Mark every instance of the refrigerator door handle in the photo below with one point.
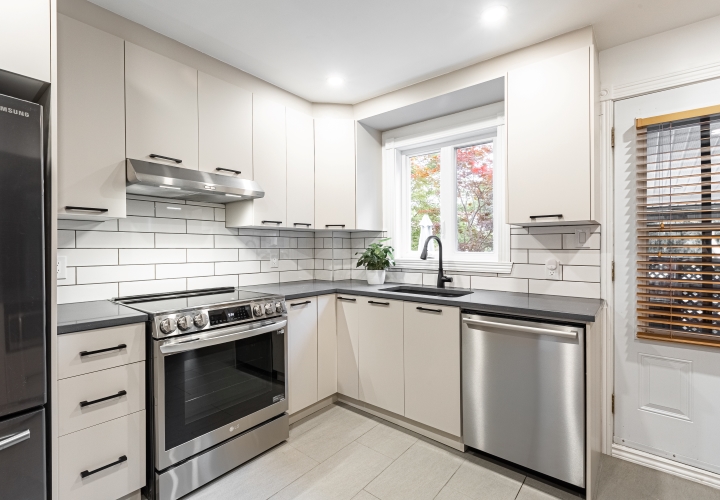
(13, 439)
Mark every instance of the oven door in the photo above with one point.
(212, 386)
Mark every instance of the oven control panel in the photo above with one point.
(230, 315)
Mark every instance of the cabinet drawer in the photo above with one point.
(97, 447)
(89, 388)
(77, 356)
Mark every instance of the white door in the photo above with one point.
(300, 170)
(667, 396)
(302, 334)
(269, 162)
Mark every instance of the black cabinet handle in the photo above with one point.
(88, 353)
(559, 216)
(83, 404)
(153, 155)
(87, 473)
(428, 309)
(302, 224)
(345, 298)
(87, 209)
(301, 303)
(220, 169)
(334, 225)
(278, 222)
(379, 303)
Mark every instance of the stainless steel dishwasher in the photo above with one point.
(523, 387)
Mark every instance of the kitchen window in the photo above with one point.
(450, 183)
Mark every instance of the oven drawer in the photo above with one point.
(95, 398)
(97, 447)
(78, 352)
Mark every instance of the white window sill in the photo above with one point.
(456, 266)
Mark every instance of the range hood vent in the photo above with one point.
(155, 179)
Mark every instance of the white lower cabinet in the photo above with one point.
(119, 443)
(432, 366)
(347, 345)
(327, 346)
(381, 378)
(302, 331)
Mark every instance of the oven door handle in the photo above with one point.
(171, 346)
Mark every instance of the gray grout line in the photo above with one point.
(521, 487)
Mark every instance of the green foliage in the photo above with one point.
(474, 170)
(376, 257)
(424, 194)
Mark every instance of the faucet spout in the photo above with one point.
(442, 279)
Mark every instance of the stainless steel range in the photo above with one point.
(216, 383)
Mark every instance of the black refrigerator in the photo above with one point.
(23, 375)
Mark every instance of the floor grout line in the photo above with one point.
(521, 487)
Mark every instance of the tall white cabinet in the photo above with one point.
(161, 106)
(91, 122)
(25, 38)
(269, 162)
(300, 170)
(334, 173)
(348, 354)
(302, 331)
(327, 346)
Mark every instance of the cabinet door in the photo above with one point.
(347, 346)
(302, 334)
(327, 346)
(225, 127)
(432, 366)
(25, 38)
(334, 173)
(91, 122)
(300, 170)
(269, 162)
(161, 108)
(381, 379)
(548, 127)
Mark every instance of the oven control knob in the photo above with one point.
(278, 307)
(168, 325)
(257, 310)
(269, 308)
(185, 322)
(201, 320)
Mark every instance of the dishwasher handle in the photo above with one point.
(522, 328)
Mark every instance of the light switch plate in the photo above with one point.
(61, 267)
(273, 261)
(581, 237)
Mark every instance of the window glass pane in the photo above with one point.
(474, 170)
(424, 194)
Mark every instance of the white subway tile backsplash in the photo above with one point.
(549, 241)
(151, 256)
(140, 208)
(321, 274)
(152, 286)
(319, 243)
(109, 274)
(212, 281)
(302, 275)
(306, 243)
(69, 277)
(499, 284)
(296, 234)
(358, 244)
(164, 271)
(528, 271)
(342, 253)
(83, 225)
(324, 253)
(100, 239)
(183, 241)
(297, 253)
(566, 288)
(66, 239)
(241, 241)
(152, 225)
(209, 227)
(283, 265)
(519, 256)
(176, 211)
(211, 254)
(86, 293)
(566, 257)
(258, 279)
(358, 274)
(249, 266)
(590, 274)
(342, 275)
(263, 253)
(306, 264)
(220, 214)
(278, 242)
(404, 277)
(593, 242)
(82, 257)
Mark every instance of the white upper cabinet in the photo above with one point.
(549, 140)
(161, 108)
(225, 121)
(91, 122)
(334, 173)
(300, 170)
(25, 38)
(269, 162)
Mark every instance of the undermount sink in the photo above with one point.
(435, 292)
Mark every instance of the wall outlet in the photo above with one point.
(274, 262)
(62, 267)
(553, 270)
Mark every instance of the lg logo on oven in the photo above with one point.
(14, 111)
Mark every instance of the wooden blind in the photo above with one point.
(678, 220)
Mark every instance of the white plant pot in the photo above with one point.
(375, 277)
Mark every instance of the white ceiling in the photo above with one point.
(381, 45)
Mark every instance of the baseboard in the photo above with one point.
(666, 465)
(312, 408)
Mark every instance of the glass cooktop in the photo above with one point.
(177, 301)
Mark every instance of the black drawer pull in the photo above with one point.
(220, 169)
(307, 224)
(83, 404)
(278, 222)
(559, 216)
(428, 309)
(87, 473)
(334, 225)
(87, 209)
(379, 303)
(301, 303)
(345, 298)
(118, 348)
(153, 155)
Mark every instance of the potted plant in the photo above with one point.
(376, 258)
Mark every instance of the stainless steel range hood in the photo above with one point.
(155, 179)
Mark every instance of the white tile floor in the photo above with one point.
(340, 453)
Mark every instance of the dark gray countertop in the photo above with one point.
(551, 307)
(84, 316)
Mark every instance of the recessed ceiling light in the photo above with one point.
(494, 15)
(335, 81)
